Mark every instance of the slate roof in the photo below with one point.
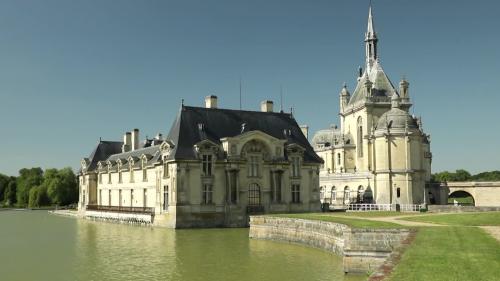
(102, 151)
(382, 86)
(222, 123)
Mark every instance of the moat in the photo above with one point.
(37, 246)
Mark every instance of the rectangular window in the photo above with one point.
(131, 171)
(254, 166)
(338, 159)
(207, 194)
(295, 193)
(398, 192)
(276, 186)
(109, 177)
(119, 176)
(295, 167)
(131, 197)
(100, 178)
(100, 197)
(109, 198)
(144, 174)
(234, 187)
(165, 198)
(207, 164)
(120, 198)
(145, 198)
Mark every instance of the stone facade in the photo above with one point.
(214, 168)
(380, 153)
(363, 250)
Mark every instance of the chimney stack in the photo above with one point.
(127, 139)
(211, 101)
(305, 130)
(135, 139)
(266, 106)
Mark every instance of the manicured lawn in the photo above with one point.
(353, 222)
(450, 253)
(464, 219)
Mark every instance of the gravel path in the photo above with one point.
(493, 231)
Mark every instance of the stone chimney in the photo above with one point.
(305, 130)
(135, 139)
(211, 101)
(127, 142)
(266, 106)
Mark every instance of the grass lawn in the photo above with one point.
(450, 253)
(353, 222)
(464, 219)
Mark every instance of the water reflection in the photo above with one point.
(56, 248)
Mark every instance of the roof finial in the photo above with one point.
(182, 102)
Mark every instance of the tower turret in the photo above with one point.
(403, 91)
(344, 97)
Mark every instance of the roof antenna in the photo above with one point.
(240, 92)
(281, 98)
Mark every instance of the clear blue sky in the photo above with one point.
(74, 71)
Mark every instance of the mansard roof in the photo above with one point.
(194, 124)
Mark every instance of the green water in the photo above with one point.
(37, 246)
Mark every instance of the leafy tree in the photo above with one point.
(461, 175)
(61, 186)
(4, 182)
(487, 176)
(38, 197)
(10, 193)
(28, 179)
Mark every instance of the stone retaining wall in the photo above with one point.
(120, 217)
(363, 250)
(459, 209)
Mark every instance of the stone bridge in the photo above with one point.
(483, 193)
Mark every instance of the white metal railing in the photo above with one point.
(383, 207)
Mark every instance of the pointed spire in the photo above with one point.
(370, 42)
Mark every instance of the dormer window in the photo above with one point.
(144, 171)
(207, 164)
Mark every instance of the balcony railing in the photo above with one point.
(121, 209)
(384, 207)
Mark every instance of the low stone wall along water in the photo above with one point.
(363, 250)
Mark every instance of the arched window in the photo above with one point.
(359, 196)
(359, 145)
(347, 194)
(333, 195)
(254, 195)
(321, 193)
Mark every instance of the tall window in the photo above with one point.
(207, 194)
(347, 194)
(83, 179)
(120, 197)
(131, 197)
(109, 176)
(207, 164)
(100, 197)
(338, 159)
(145, 198)
(359, 145)
(165, 198)
(295, 166)
(295, 193)
(234, 187)
(276, 184)
(119, 174)
(100, 177)
(333, 195)
(253, 170)
(359, 197)
(321, 193)
(398, 192)
(109, 197)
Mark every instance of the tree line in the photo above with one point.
(36, 188)
(463, 175)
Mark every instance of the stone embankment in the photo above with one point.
(132, 218)
(363, 250)
(460, 209)
(65, 213)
